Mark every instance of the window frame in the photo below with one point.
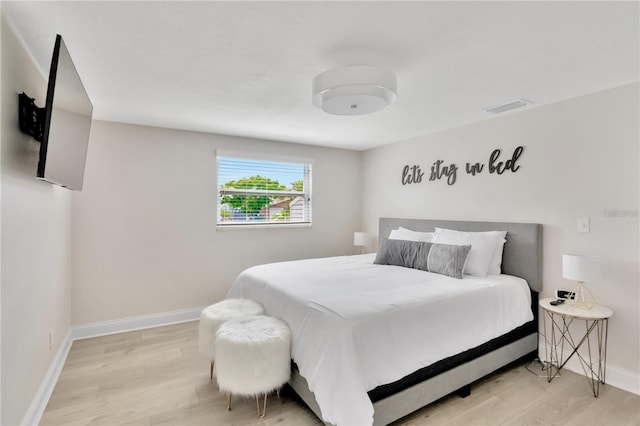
(306, 193)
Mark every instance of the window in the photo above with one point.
(262, 190)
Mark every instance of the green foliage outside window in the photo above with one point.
(252, 204)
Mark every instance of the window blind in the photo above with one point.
(255, 191)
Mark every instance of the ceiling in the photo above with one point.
(245, 68)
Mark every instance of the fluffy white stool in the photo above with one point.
(253, 357)
(212, 317)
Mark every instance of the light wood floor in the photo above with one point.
(157, 376)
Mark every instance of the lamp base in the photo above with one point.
(582, 298)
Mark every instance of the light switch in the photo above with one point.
(583, 224)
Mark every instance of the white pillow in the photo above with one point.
(396, 234)
(486, 249)
(495, 267)
(410, 235)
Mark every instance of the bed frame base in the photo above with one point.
(415, 397)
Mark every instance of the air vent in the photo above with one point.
(508, 106)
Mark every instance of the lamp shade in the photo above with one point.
(360, 239)
(580, 268)
(354, 90)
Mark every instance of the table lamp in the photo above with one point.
(360, 239)
(581, 269)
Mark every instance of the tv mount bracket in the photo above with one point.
(31, 117)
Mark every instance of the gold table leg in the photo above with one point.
(595, 375)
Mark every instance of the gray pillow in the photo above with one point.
(447, 259)
(409, 254)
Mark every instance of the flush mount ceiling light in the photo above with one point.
(354, 90)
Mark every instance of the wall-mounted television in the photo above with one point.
(63, 125)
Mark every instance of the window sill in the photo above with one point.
(262, 226)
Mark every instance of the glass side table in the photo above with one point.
(596, 319)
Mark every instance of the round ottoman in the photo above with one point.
(253, 357)
(212, 317)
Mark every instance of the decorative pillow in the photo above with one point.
(449, 260)
(409, 254)
(495, 262)
(410, 235)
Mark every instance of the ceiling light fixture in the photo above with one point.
(354, 90)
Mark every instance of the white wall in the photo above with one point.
(581, 157)
(144, 226)
(35, 244)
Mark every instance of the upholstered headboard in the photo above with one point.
(522, 255)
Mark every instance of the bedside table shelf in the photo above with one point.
(596, 322)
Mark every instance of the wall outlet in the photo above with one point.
(565, 294)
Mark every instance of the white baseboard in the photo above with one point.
(621, 378)
(104, 328)
(78, 332)
(39, 402)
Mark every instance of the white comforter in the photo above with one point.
(356, 325)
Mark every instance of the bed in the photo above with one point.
(373, 343)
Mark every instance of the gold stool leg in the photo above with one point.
(264, 407)
(229, 402)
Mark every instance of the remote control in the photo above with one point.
(557, 302)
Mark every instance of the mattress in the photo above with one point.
(356, 325)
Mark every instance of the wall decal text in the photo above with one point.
(439, 170)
